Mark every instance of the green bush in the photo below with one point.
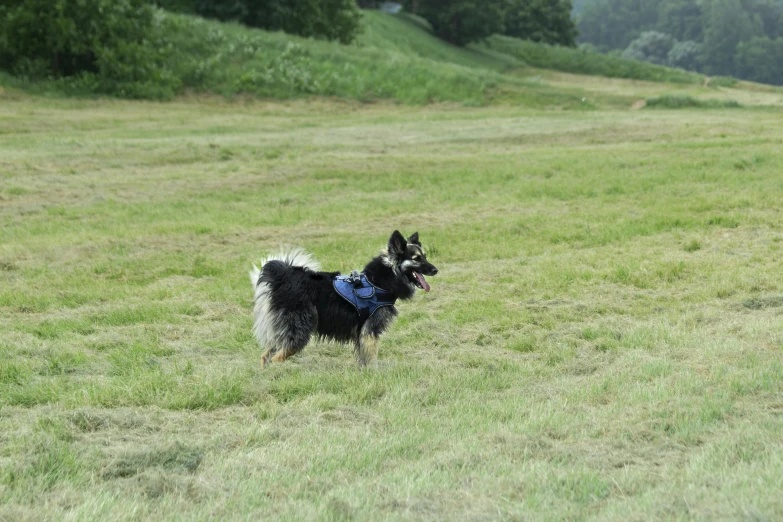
(106, 46)
(547, 21)
(326, 19)
(688, 102)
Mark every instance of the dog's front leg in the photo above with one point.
(367, 351)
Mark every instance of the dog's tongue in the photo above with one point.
(422, 282)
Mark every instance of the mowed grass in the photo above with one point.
(604, 340)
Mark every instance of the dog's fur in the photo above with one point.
(294, 300)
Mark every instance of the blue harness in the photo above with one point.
(362, 295)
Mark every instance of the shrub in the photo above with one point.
(685, 55)
(327, 19)
(109, 46)
(688, 102)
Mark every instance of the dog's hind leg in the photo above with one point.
(367, 350)
(282, 354)
(279, 354)
(266, 357)
(293, 337)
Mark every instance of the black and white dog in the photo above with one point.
(294, 300)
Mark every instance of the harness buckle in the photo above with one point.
(356, 279)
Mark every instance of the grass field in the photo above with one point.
(604, 340)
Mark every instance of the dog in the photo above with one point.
(295, 300)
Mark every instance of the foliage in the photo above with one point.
(613, 24)
(761, 58)
(103, 45)
(546, 21)
(680, 18)
(328, 19)
(688, 102)
(685, 55)
(728, 25)
(461, 21)
(712, 37)
(651, 46)
(464, 21)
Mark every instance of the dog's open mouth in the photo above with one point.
(420, 282)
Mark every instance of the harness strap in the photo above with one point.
(365, 297)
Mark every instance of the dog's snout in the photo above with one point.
(434, 271)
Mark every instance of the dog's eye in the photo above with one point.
(416, 258)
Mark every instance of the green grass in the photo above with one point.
(232, 59)
(408, 35)
(586, 62)
(603, 340)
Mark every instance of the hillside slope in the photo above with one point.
(395, 58)
(412, 36)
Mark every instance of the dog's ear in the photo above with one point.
(397, 243)
(414, 239)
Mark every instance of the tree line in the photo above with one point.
(742, 38)
(457, 21)
(464, 21)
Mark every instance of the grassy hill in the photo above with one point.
(395, 58)
(412, 36)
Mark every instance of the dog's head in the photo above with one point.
(407, 256)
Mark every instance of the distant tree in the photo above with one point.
(685, 55)
(220, 9)
(728, 24)
(613, 24)
(768, 14)
(760, 59)
(329, 19)
(579, 5)
(683, 19)
(712, 36)
(651, 46)
(547, 21)
(461, 21)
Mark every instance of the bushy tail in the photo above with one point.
(264, 321)
(291, 257)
